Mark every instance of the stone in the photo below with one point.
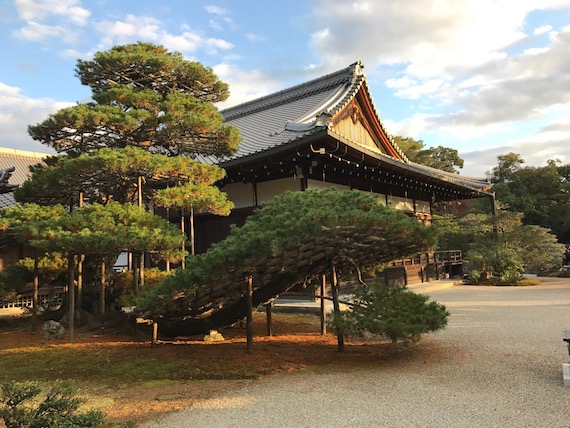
(214, 336)
(566, 374)
(53, 330)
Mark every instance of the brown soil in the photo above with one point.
(210, 369)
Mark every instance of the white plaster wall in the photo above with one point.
(399, 203)
(267, 190)
(423, 207)
(241, 194)
(316, 184)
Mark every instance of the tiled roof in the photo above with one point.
(21, 160)
(297, 112)
(288, 115)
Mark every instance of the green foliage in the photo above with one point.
(499, 246)
(59, 409)
(391, 312)
(121, 285)
(541, 194)
(144, 96)
(296, 217)
(112, 175)
(443, 158)
(15, 277)
(493, 260)
(94, 229)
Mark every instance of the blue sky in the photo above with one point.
(485, 77)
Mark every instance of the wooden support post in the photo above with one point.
(35, 295)
(183, 230)
(323, 309)
(192, 240)
(79, 297)
(336, 304)
(71, 294)
(102, 294)
(135, 276)
(154, 334)
(268, 313)
(249, 301)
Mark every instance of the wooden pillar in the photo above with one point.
(102, 294)
(249, 301)
(269, 313)
(323, 309)
(154, 334)
(71, 294)
(35, 295)
(336, 305)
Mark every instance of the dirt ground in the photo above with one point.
(208, 369)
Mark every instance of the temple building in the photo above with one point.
(322, 133)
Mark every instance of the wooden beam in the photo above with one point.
(249, 302)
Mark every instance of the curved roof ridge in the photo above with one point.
(346, 74)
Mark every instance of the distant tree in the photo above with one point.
(91, 230)
(541, 194)
(500, 246)
(439, 157)
(144, 96)
(113, 175)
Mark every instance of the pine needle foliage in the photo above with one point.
(296, 218)
(144, 96)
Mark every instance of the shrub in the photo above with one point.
(492, 260)
(59, 409)
(392, 312)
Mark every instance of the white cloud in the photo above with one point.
(240, 82)
(216, 10)
(542, 30)
(68, 10)
(35, 32)
(18, 111)
(134, 28)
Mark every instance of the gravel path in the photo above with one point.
(499, 364)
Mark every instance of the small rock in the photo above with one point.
(214, 336)
(53, 330)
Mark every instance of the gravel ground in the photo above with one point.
(498, 364)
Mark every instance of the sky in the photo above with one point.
(485, 77)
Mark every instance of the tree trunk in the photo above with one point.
(249, 302)
(102, 294)
(323, 309)
(79, 297)
(336, 305)
(183, 230)
(71, 294)
(35, 295)
(192, 243)
(135, 275)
